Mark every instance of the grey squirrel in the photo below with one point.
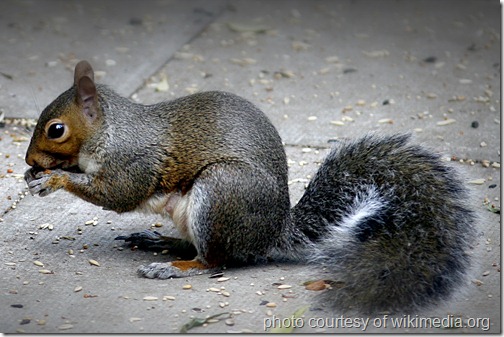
(388, 220)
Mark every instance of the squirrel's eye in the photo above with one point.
(56, 130)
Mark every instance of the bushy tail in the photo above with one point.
(390, 222)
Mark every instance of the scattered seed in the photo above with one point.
(222, 279)
(244, 61)
(332, 59)
(10, 264)
(477, 282)
(458, 98)
(77, 289)
(66, 326)
(284, 286)
(480, 181)
(386, 121)
(446, 122)
(324, 71)
(349, 70)
(465, 81)
(38, 263)
(241, 28)
(150, 298)
(284, 74)
(271, 305)
(299, 45)
(187, 286)
(225, 293)
(496, 165)
(134, 319)
(229, 322)
(430, 59)
(376, 53)
(216, 290)
(486, 273)
(45, 271)
(93, 262)
(338, 123)
(163, 85)
(168, 298)
(431, 95)
(481, 99)
(25, 321)
(312, 118)
(217, 274)
(89, 296)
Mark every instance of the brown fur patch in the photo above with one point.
(58, 181)
(189, 264)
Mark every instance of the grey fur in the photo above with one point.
(411, 249)
(388, 219)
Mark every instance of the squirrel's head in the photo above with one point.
(66, 123)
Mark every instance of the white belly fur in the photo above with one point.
(175, 205)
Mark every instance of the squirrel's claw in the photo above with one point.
(154, 241)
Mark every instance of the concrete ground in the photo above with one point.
(321, 70)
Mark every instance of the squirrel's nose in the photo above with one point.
(29, 160)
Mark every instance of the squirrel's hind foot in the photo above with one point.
(175, 269)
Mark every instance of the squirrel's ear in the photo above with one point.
(83, 68)
(86, 89)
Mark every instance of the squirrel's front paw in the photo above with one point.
(146, 239)
(44, 182)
